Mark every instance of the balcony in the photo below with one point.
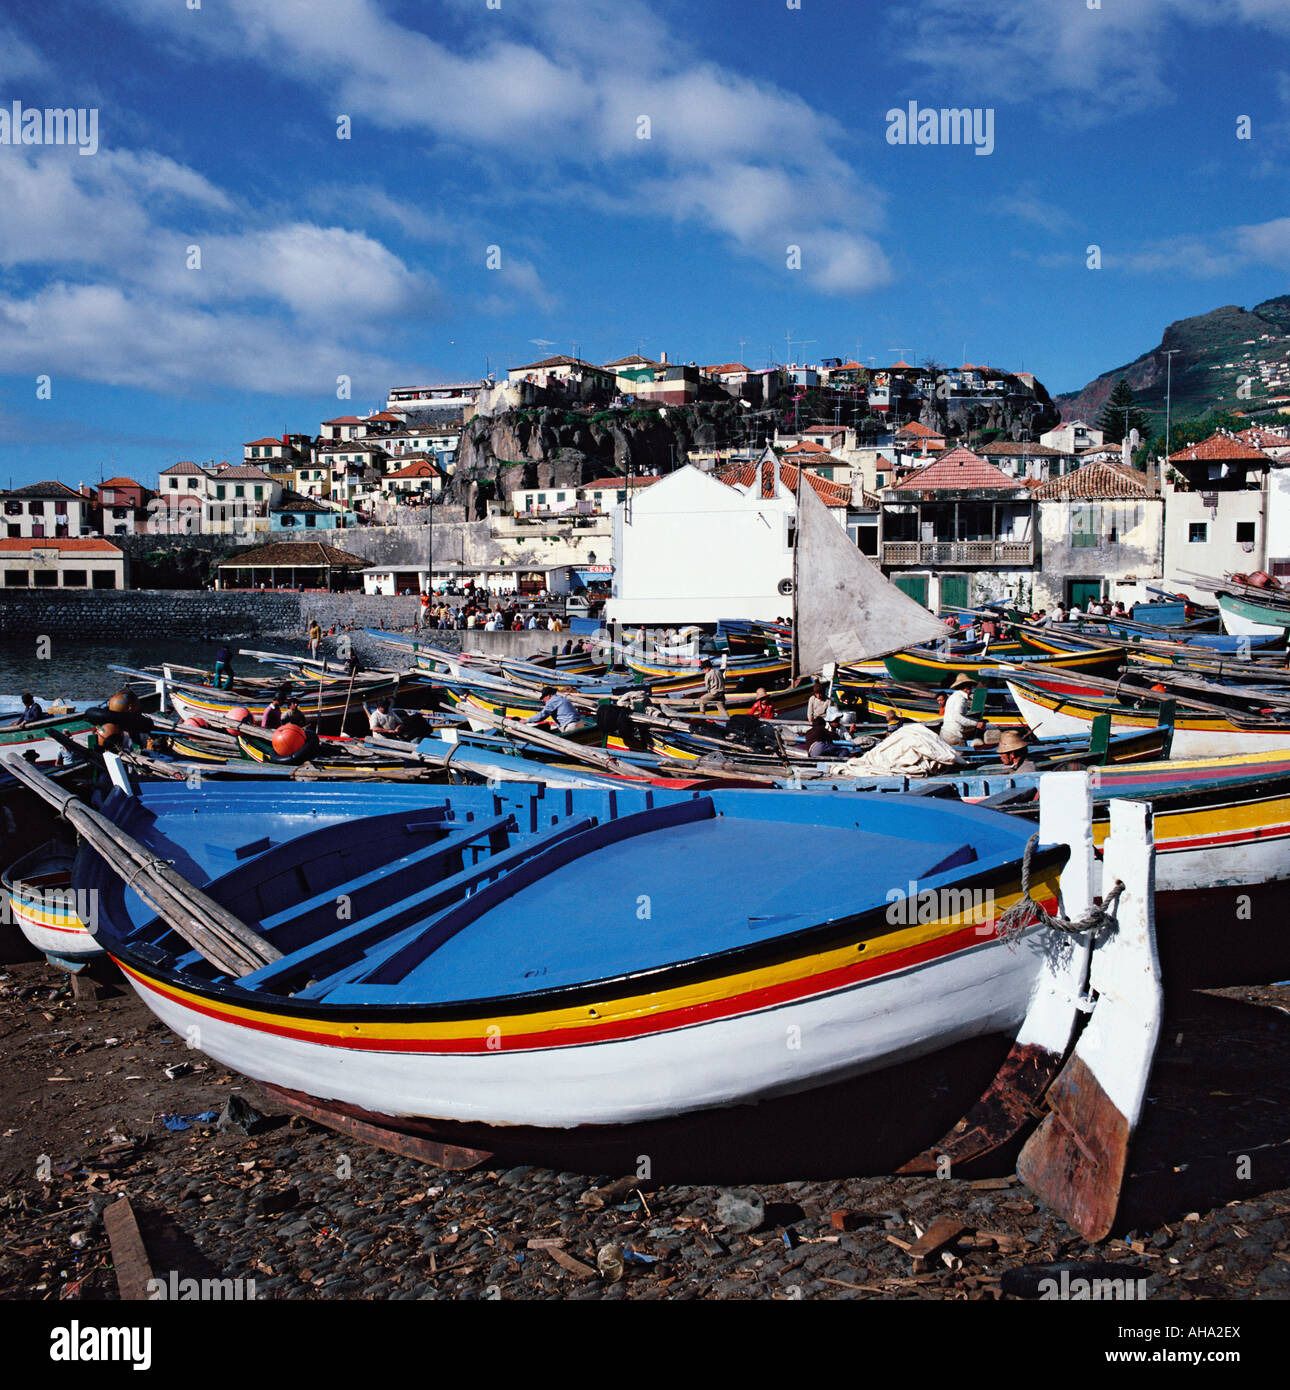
(977, 553)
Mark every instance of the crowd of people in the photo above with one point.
(485, 613)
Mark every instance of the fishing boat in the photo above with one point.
(1245, 616)
(38, 737)
(478, 978)
(46, 909)
(1197, 733)
(923, 667)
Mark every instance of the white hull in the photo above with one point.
(1237, 625)
(879, 1023)
(1187, 743)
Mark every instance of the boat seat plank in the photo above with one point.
(539, 867)
(336, 949)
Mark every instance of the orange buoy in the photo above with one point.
(1159, 688)
(240, 714)
(1260, 579)
(195, 723)
(124, 702)
(107, 731)
(288, 740)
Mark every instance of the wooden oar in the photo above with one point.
(224, 940)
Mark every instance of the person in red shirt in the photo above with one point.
(762, 707)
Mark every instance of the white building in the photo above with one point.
(1071, 437)
(696, 548)
(72, 563)
(44, 510)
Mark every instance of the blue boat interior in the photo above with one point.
(376, 894)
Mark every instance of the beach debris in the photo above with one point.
(129, 1256)
(610, 1263)
(242, 1116)
(179, 1122)
(741, 1209)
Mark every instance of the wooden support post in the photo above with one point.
(1076, 1160)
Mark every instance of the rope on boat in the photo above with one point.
(1026, 912)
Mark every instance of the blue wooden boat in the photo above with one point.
(560, 957)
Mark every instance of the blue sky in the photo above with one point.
(517, 127)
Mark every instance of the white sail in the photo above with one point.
(845, 609)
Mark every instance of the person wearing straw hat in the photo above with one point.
(1012, 750)
(958, 727)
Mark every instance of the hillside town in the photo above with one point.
(960, 484)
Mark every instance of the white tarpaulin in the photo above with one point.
(911, 751)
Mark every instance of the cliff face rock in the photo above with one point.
(551, 447)
(1214, 353)
(1016, 414)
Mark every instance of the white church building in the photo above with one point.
(697, 547)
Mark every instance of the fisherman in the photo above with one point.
(556, 705)
(819, 740)
(272, 715)
(817, 706)
(762, 707)
(223, 669)
(31, 711)
(1011, 749)
(315, 638)
(382, 719)
(714, 688)
(958, 727)
(294, 714)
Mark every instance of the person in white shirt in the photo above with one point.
(959, 726)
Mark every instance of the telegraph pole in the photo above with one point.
(1170, 353)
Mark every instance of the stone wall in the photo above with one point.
(202, 616)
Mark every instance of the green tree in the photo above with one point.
(1120, 415)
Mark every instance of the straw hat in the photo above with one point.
(961, 680)
(1010, 741)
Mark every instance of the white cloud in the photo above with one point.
(1077, 64)
(557, 95)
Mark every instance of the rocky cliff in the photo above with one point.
(558, 447)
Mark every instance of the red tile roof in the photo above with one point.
(268, 439)
(725, 367)
(183, 466)
(805, 446)
(636, 480)
(1095, 479)
(1260, 438)
(916, 427)
(1005, 448)
(83, 545)
(49, 488)
(557, 362)
(959, 468)
(121, 482)
(634, 360)
(1219, 447)
(242, 472)
(421, 468)
(830, 493)
(344, 420)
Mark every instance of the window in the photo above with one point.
(74, 579)
(1197, 532)
(239, 491)
(541, 499)
(1083, 526)
(559, 497)
(14, 531)
(286, 519)
(45, 579)
(259, 494)
(219, 492)
(35, 509)
(174, 482)
(192, 482)
(1245, 533)
(60, 507)
(310, 519)
(13, 509)
(15, 579)
(104, 579)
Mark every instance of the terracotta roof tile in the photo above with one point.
(301, 554)
(1095, 479)
(82, 545)
(959, 468)
(830, 493)
(1220, 447)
